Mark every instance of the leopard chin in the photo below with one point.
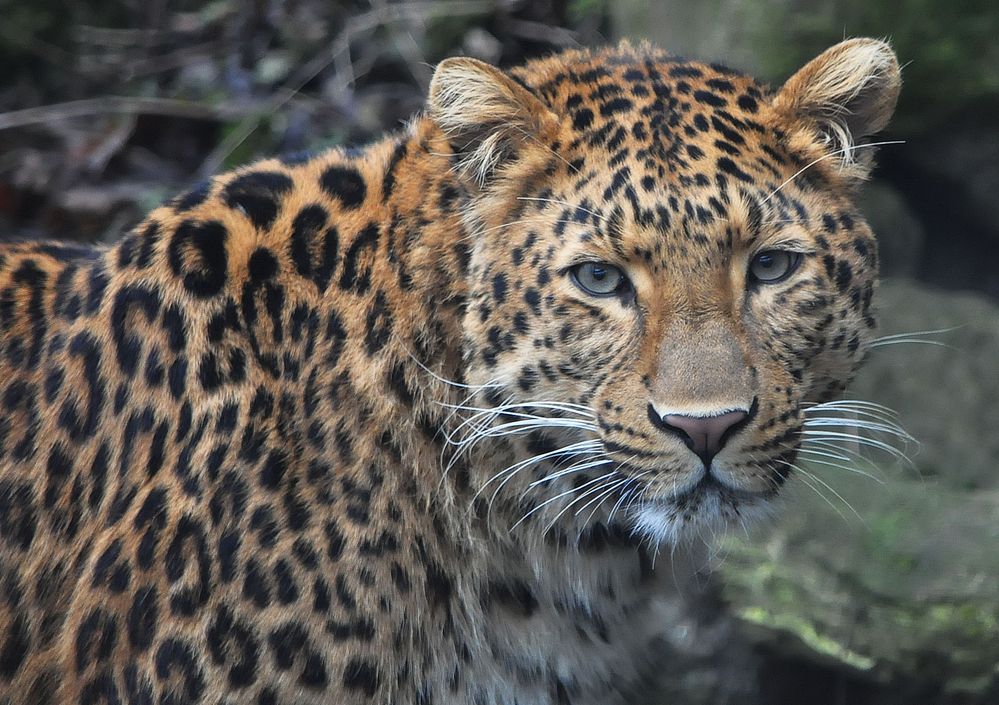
(703, 513)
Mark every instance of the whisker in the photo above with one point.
(840, 466)
(611, 486)
(488, 414)
(628, 483)
(449, 437)
(863, 419)
(808, 478)
(626, 493)
(524, 463)
(837, 447)
(838, 496)
(874, 426)
(830, 155)
(916, 333)
(513, 428)
(579, 467)
(835, 452)
(581, 497)
(850, 403)
(439, 378)
(855, 457)
(861, 440)
(481, 423)
(913, 341)
(557, 497)
(578, 448)
(558, 406)
(851, 414)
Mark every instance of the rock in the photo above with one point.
(946, 388)
(899, 233)
(910, 595)
(949, 176)
(966, 154)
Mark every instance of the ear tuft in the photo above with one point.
(486, 114)
(847, 93)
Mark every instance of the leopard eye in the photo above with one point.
(599, 278)
(772, 266)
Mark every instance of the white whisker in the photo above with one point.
(581, 497)
(830, 155)
(888, 429)
(861, 440)
(916, 334)
(840, 466)
(610, 488)
(572, 469)
(808, 478)
(557, 406)
(510, 473)
(914, 341)
(567, 451)
(558, 497)
(849, 404)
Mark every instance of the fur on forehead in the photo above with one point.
(830, 105)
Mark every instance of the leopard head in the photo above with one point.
(667, 267)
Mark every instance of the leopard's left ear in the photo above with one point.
(845, 94)
(488, 117)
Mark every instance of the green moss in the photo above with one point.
(807, 632)
(581, 9)
(838, 617)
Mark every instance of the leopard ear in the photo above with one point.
(844, 95)
(488, 117)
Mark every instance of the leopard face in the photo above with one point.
(669, 268)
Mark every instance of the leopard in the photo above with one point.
(418, 422)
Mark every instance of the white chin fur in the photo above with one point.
(663, 522)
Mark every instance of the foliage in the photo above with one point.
(111, 102)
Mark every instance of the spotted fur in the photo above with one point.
(306, 434)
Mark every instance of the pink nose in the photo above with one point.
(705, 435)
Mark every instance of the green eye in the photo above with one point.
(599, 278)
(773, 266)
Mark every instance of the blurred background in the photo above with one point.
(877, 587)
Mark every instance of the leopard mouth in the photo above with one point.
(690, 492)
(708, 491)
(707, 502)
(707, 505)
(710, 484)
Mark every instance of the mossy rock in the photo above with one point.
(945, 389)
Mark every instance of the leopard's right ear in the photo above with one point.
(488, 117)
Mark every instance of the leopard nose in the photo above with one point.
(704, 435)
